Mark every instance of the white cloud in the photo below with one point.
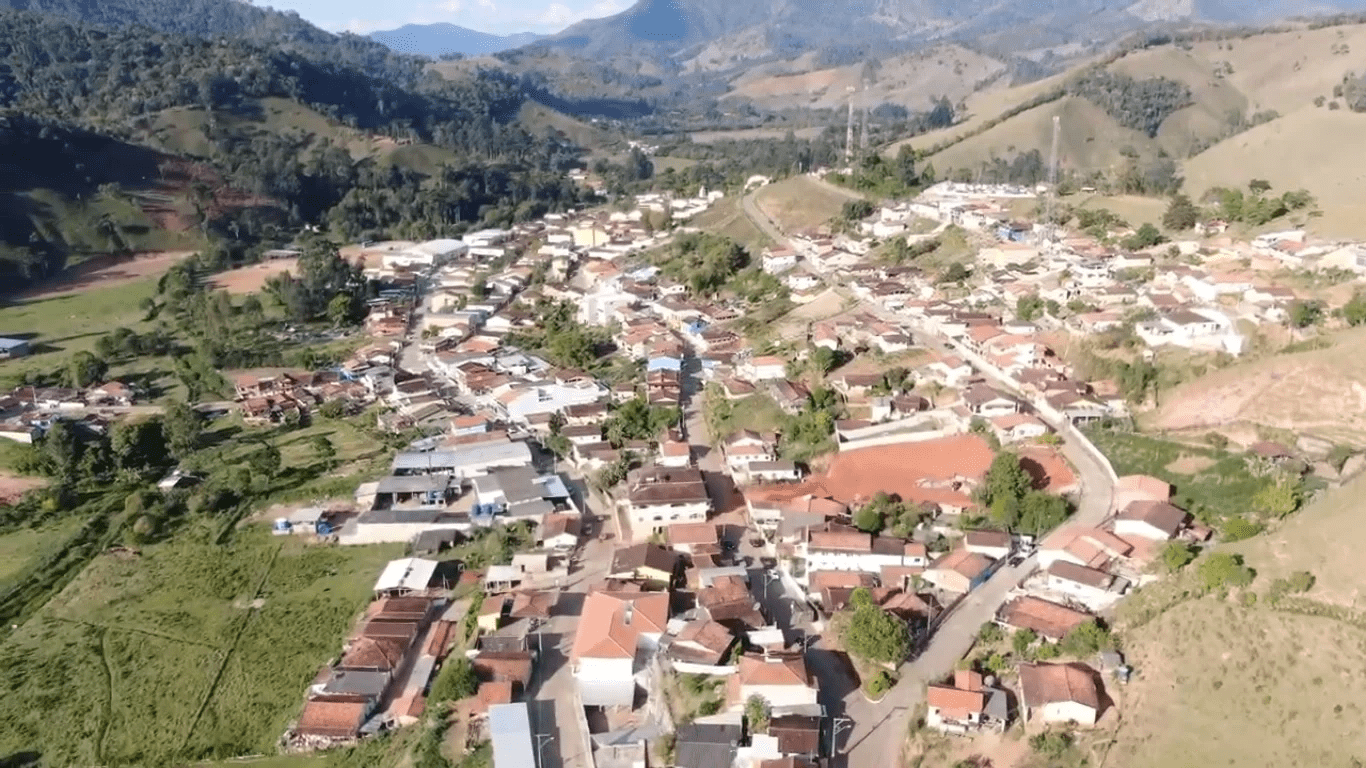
(488, 4)
(559, 15)
(452, 6)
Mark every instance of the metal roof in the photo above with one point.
(408, 573)
(476, 457)
(510, 731)
(414, 483)
(607, 693)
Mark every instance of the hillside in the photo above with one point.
(1317, 393)
(1251, 113)
(442, 39)
(1253, 683)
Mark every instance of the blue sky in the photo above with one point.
(496, 16)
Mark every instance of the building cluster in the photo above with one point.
(27, 412)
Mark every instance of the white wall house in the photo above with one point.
(852, 550)
(1202, 329)
(549, 397)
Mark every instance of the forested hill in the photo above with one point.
(215, 104)
(233, 20)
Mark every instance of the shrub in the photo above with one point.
(1176, 555)
(455, 681)
(1237, 528)
(990, 633)
(878, 684)
(1222, 569)
(1054, 744)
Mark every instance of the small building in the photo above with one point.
(992, 544)
(405, 576)
(11, 348)
(649, 563)
(1154, 520)
(967, 705)
(958, 571)
(1045, 619)
(707, 745)
(1060, 693)
(510, 732)
(332, 720)
(1088, 586)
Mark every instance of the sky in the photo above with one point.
(496, 16)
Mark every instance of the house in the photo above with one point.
(558, 531)
(779, 260)
(661, 496)
(965, 706)
(693, 538)
(674, 453)
(1083, 545)
(702, 643)
(765, 368)
(1045, 619)
(781, 679)
(745, 447)
(1060, 693)
(992, 544)
(332, 720)
(958, 571)
(773, 471)
(1154, 520)
(797, 735)
(613, 627)
(728, 601)
(649, 563)
(1130, 488)
(1088, 586)
(1015, 427)
(707, 745)
(987, 402)
(842, 548)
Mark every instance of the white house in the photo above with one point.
(847, 549)
(764, 368)
(662, 496)
(1015, 427)
(989, 403)
(746, 447)
(781, 679)
(1154, 520)
(1202, 329)
(548, 397)
(614, 628)
(779, 260)
(1092, 588)
(992, 544)
(1060, 693)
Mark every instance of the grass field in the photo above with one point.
(57, 326)
(1221, 488)
(1223, 682)
(165, 657)
(798, 203)
(22, 548)
(726, 218)
(758, 412)
(1132, 208)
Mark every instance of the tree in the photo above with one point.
(1006, 478)
(332, 409)
(1181, 214)
(1259, 186)
(264, 461)
(1305, 313)
(824, 359)
(758, 713)
(1021, 640)
(322, 448)
(455, 681)
(1145, 237)
(1030, 307)
(878, 684)
(869, 519)
(183, 426)
(1086, 639)
(873, 633)
(1176, 555)
(990, 633)
(1354, 311)
(1222, 569)
(1281, 497)
(1041, 512)
(85, 370)
(955, 273)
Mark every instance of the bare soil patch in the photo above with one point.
(106, 271)
(251, 279)
(13, 487)
(1190, 465)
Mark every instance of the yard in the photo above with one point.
(191, 651)
(24, 547)
(1210, 484)
(757, 412)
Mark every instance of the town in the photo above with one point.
(730, 545)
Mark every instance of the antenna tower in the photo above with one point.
(863, 136)
(849, 131)
(1052, 179)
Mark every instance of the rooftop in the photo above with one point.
(1049, 683)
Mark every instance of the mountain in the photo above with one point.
(440, 39)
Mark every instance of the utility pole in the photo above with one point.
(1052, 180)
(849, 130)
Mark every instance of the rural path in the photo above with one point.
(762, 221)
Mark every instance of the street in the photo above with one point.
(877, 731)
